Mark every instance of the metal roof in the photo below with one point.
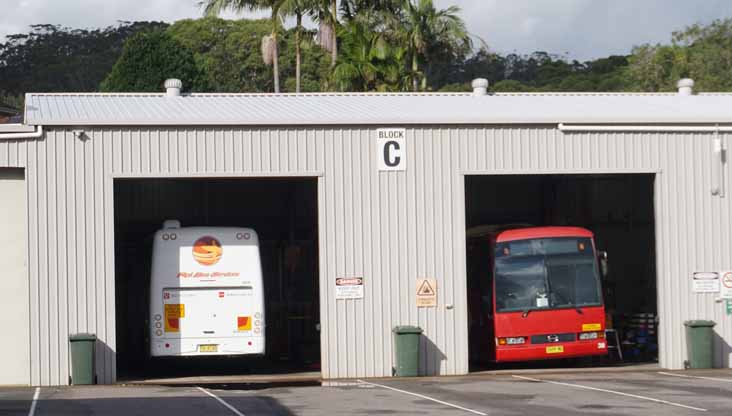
(373, 108)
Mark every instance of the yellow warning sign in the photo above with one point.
(175, 310)
(426, 293)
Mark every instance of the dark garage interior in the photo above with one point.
(617, 208)
(282, 211)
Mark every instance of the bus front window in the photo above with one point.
(546, 273)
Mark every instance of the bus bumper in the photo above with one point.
(176, 347)
(547, 352)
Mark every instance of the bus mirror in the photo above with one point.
(603, 263)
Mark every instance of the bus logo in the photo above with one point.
(207, 251)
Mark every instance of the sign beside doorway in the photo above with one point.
(426, 293)
(349, 288)
(705, 282)
(726, 286)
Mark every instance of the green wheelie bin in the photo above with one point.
(699, 344)
(82, 358)
(406, 339)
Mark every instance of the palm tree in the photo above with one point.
(298, 8)
(269, 46)
(325, 12)
(363, 53)
(422, 26)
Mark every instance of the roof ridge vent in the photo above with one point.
(480, 87)
(685, 86)
(173, 87)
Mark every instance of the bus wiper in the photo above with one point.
(526, 313)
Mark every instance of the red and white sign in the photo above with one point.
(349, 288)
(726, 286)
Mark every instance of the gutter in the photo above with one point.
(35, 134)
(660, 128)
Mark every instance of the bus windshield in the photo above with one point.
(546, 273)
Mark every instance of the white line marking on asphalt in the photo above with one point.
(619, 393)
(228, 406)
(422, 396)
(726, 380)
(35, 402)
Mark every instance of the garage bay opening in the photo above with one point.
(231, 224)
(561, 269)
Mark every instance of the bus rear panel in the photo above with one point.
(206, 293)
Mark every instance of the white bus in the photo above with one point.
(206, 293)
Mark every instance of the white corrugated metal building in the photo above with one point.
(59, 172)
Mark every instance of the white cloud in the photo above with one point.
(582, 29)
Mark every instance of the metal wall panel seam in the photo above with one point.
(359, 169)
(402, 237)
(63, 257)
(366, 254)
(32, 186)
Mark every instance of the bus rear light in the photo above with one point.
(512, 341)
(584, 336)
(159, 333)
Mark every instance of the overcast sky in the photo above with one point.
(581, 29)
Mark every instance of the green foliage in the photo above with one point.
(703, 53)
(383, 45)
(148, 59)
(52, 58)
(227, 53)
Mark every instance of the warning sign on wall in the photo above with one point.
(349, 288)
(705, 282)
(426, 293)
(726, 286)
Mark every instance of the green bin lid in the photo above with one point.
(700, 323)
(82, 337)
(407, 329)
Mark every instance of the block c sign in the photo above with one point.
(390, 151)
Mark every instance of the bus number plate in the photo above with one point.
(555, 349)
(208, 348)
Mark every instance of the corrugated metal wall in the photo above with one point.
(389, 227)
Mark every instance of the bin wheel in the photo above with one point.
(686, 365)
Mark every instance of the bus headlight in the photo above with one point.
(512, 341)
(584, 336)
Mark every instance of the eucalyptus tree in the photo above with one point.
(269, 44)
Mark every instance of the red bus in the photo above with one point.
(535, 293)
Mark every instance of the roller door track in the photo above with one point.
(14, 295)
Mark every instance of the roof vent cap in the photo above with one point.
(686, 86)
(480, 87)
(173, 87)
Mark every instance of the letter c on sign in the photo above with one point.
(388, 159)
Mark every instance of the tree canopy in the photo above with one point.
(383, 45)
(148, 58)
